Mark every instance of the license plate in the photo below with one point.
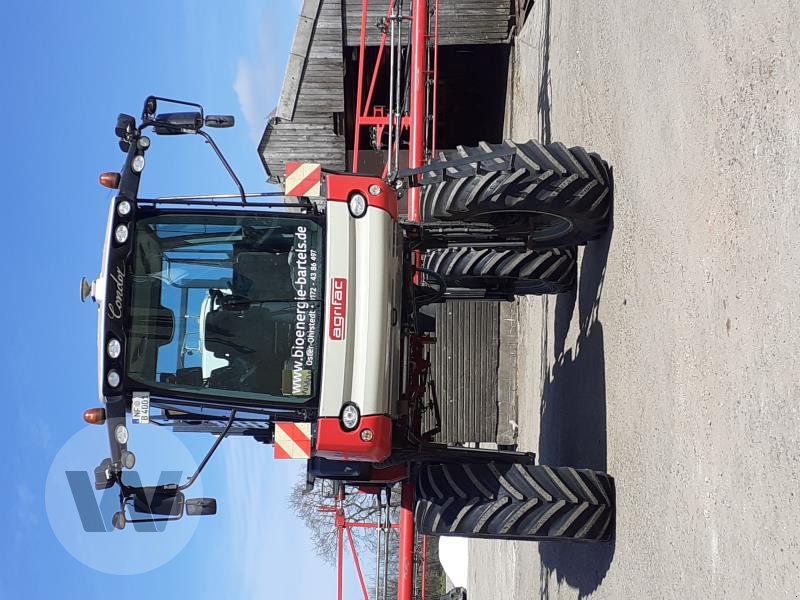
(140, 408)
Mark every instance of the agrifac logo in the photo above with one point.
(81, 517)
(338, 309)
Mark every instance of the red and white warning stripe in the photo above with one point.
(293, 440)
(303, 179)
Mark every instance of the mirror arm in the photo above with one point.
(211, 451)
(173, 101)
(158, 520)
(238, 183)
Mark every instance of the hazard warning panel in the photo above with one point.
(303, 179)
(293, 440)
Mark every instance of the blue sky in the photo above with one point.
(69, 69)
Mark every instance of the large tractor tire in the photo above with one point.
(515, 502)
(521, 272)
(563, 196)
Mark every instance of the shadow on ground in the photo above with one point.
(573, 402)
(543, 100)
(573, 414)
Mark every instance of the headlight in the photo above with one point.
(144, 142)
(357, 205)
(137, 164)
(124, 208)
(114, 348)
(349, 417)
(121, 234)
(128, 458)
(121, 434)
(113, 378)
(374, 189)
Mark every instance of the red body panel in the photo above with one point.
(340, 187)
(335, 443)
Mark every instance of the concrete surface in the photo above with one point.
(675, 365)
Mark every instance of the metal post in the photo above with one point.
(398, 78)
(340, 537)
(392, 25)
(357, 563)
(368, 102)
(416, 154)
(379, 548)
(359, 91)
(416, 149)
(405, 577)
(435, 78)
(387, 535)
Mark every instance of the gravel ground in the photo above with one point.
(674, 365)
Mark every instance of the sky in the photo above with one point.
(69, 69)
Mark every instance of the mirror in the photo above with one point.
(220, 121)
(102, 476)
(197, 507)
(158, 501)
(178, 123)
(125, 125)
(119, 520)
(150, 106)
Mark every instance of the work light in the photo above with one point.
(357, 205)
(349, 417)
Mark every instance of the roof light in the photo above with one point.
(109, 180)
(86, 289)
(137, 164)
(121, 434)
(113, 378)
(114, 348)
(95, 416)
(121, 234)
(124, 208)
(128, 459)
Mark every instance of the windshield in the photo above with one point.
(227, 305)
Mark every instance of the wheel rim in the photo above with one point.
(542, 226)
(501, 284)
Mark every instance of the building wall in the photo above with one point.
(460, 21)
(307, 125)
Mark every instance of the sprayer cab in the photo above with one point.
(219, 309)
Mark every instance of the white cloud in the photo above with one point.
(37, 430)
(259, 76)
(24, 511)
(250, 100)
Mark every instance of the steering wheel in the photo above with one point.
(220, 301)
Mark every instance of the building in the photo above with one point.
(315, 117)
